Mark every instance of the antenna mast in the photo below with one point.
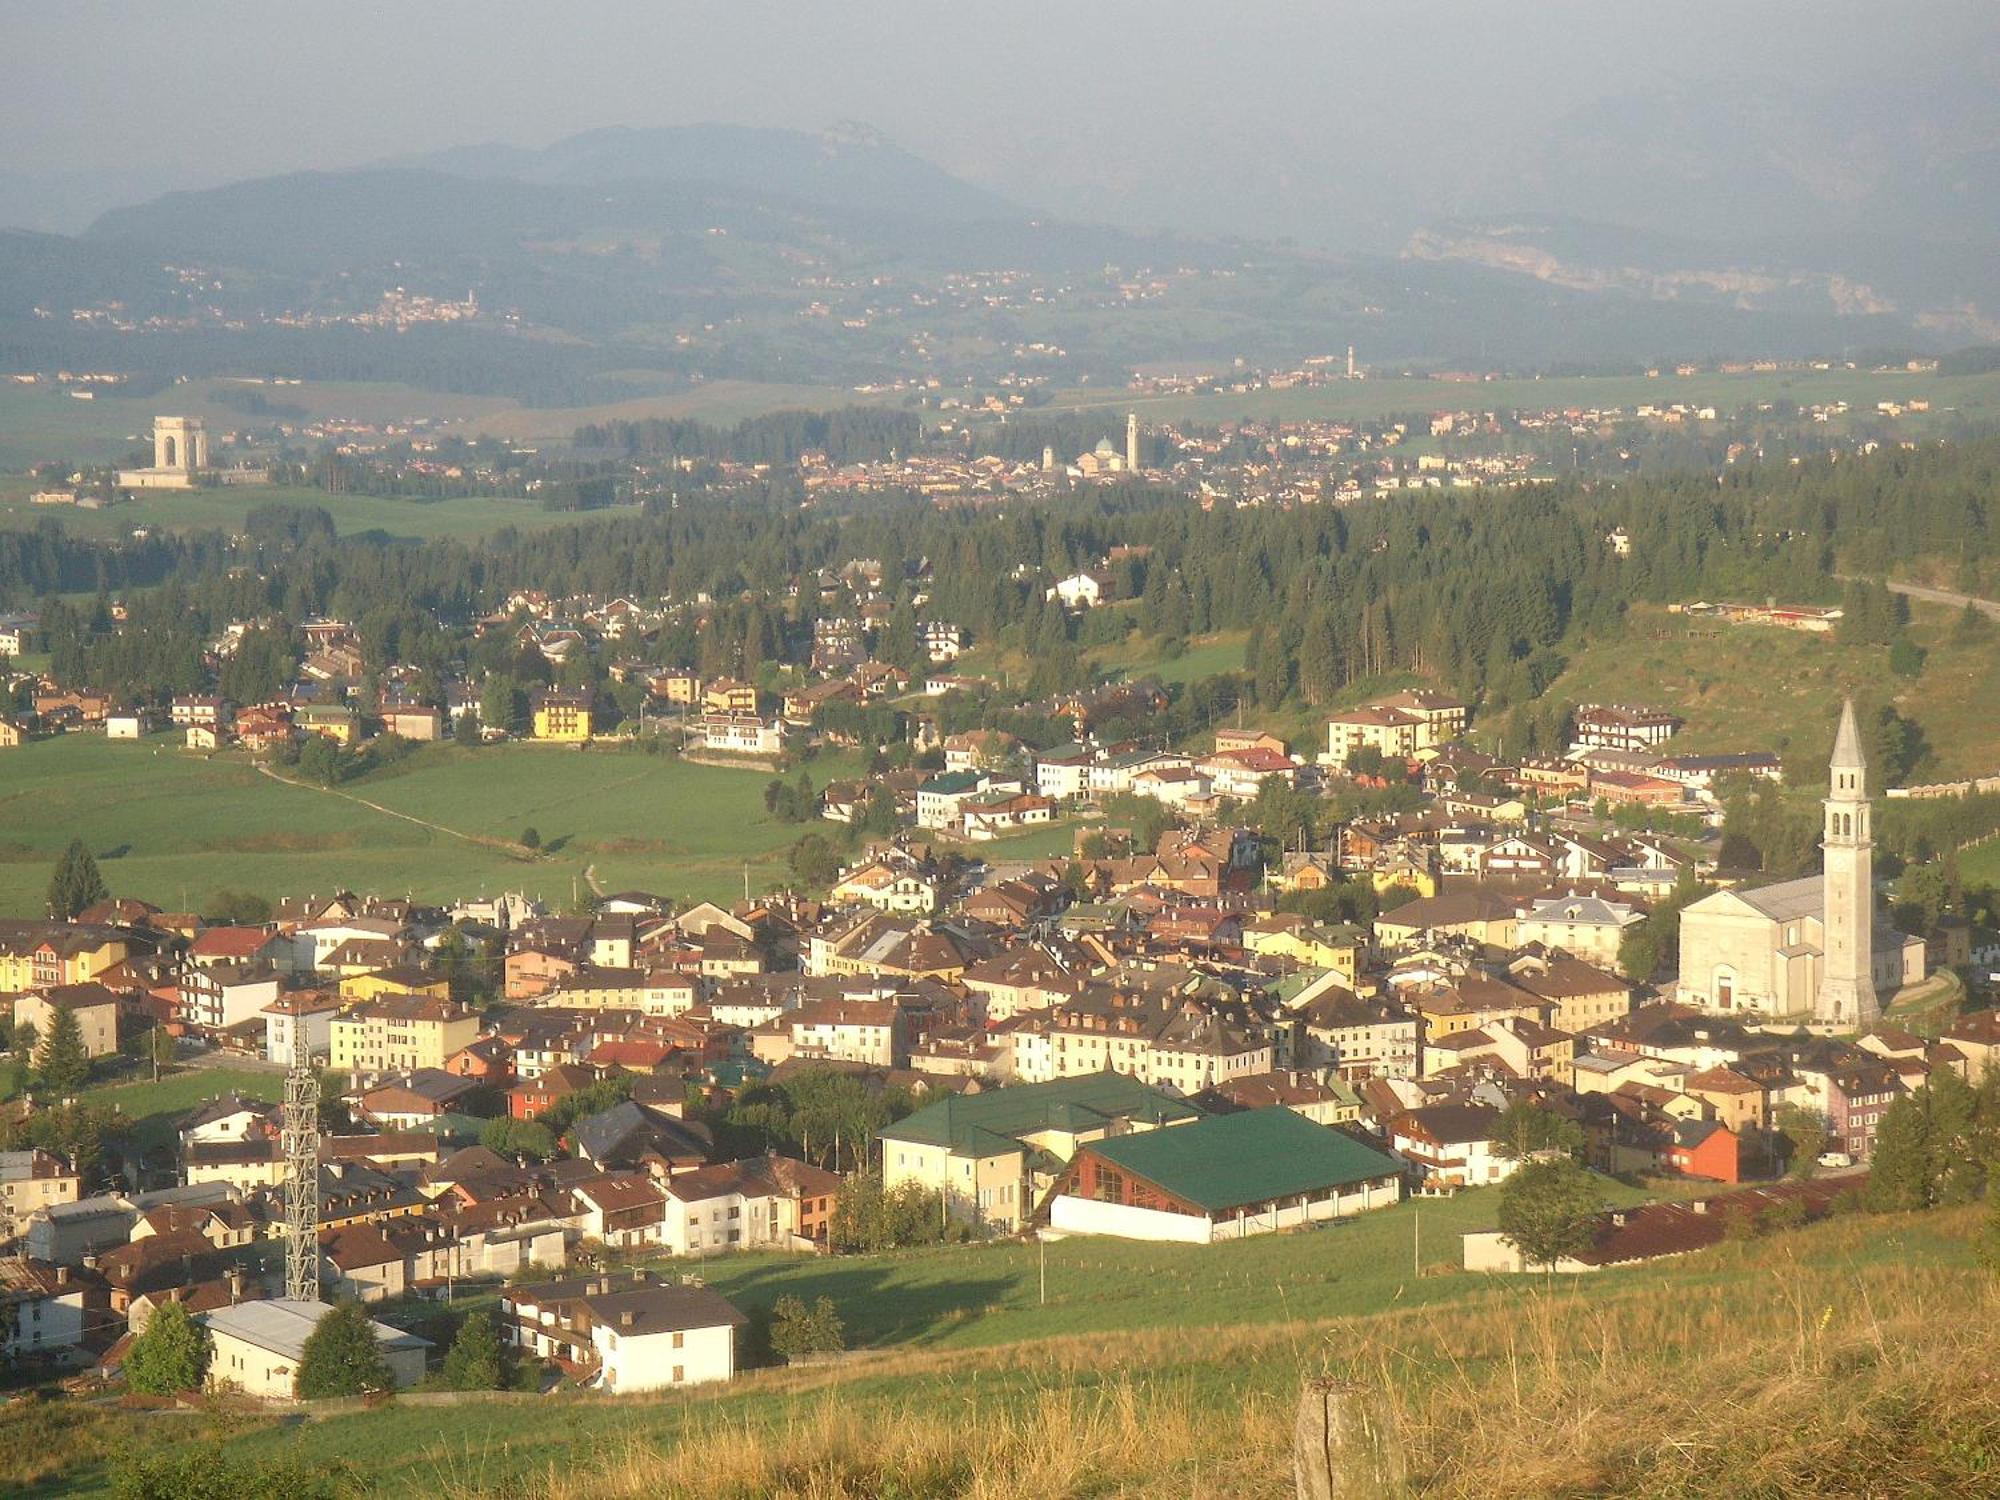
(300, 1139)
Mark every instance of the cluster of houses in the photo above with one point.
(1146, 1042)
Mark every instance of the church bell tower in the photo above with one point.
(1847, 967)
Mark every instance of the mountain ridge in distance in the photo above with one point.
(850, 167)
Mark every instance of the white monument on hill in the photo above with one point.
(180, 452)
(1808, 950)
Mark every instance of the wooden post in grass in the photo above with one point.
(1344, 1445)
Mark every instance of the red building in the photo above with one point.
(1703, 1148)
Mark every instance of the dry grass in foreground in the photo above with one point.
(1742, 1372)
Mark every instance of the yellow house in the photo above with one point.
(677, 687)
(1340, 949)
(59, 953)
(563, 717)
(1473, 1002)
(400, 1033)
(402, 980)
(340, 724)
(1410, 874)
(726, 695)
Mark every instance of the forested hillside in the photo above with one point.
(1479, 591)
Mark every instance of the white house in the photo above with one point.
(257, 1347)
(739, 734)
(626, 1335)
(761, 1204)
(41, 1308)
(1084, 590)
(1064, 772)
(621, 1209)
(299, 1025)
(127, 724)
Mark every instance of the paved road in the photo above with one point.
(1989, 607)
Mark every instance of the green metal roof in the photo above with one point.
(1232, 1161)
(990, 1123)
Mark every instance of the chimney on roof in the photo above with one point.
(1618, 1221)
(1700, 1205)
(626, 1318)
(62, 1275)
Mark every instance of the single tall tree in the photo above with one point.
(170, 1356)
(63, 1060)
(341, 1357)
(76, 883)
(1546, 1208)
(1806, 1131)
(1899, 1174)
(474, 1361)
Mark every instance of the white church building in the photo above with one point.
(1812, 950)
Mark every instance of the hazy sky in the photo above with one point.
(1182, 112)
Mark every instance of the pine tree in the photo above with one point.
(170, 1356)
(1899, 1176)
(76, 883)
(1319, 660)
(474, 1362)
(341, 1357)
(62, 1060)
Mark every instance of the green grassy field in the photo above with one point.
(171, 827)
(718, 401)
(1201, 1350)
(224, 510)
(1205, 656)
(1980, 865)
(1757, 687)
(1973, 395)
(154, 1108)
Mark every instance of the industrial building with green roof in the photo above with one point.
(1223, 1177)
(993, 1155)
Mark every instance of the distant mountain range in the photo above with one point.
(850, 168)
(720, 251)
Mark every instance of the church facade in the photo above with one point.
(1810, 950)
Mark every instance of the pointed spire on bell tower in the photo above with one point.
(1847, 754)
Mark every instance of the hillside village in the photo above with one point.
(1179, 1029)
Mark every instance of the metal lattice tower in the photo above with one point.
(301, 1143)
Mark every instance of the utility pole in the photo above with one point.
(1045, 1268)
(1417, 1240)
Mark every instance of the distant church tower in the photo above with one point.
(1131, 442)
(1847, 974)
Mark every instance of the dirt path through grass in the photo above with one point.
(505, 846)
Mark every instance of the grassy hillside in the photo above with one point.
(1709, 1375)
(1759, 687)
(171, 827)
